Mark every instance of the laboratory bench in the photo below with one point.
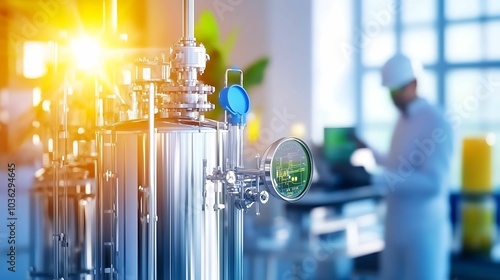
(323, 233)
(475, 266)
(336, 232)
(463, 267)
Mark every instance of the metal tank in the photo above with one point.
(77, 197)
(170, 190)
(192, 248)
(63, 201)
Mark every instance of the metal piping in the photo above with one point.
(128, 247)
(234, 253)
(152, 263)
(100, 207)
(64, 136)
(110, 16)
(188, 20)
(55, 185)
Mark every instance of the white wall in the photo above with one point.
(164, 21)
(290, 75)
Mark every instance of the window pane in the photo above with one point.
(487, 95)
(420, 43)
(472, 108)
(492, 36)
(380, 12)
(493, 7)
(332, 82)
(460, 85)
(378, 49)
(463, 42)
(377, 106)
(471, 97)
(423, 11)
(427, 86)
(460, 9)
(377, 136)
(335, 106)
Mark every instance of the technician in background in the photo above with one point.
(417, 227)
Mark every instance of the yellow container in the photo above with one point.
(476, 165)
(478, 224)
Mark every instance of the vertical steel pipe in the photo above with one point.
(234, 247)
(55, 164)
(152, 263)
(188, 20)
(110, 16)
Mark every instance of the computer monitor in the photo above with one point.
(338, 145)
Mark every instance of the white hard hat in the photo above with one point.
(399, 70)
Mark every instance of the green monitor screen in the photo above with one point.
(338, 145)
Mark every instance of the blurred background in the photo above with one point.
(318, 77)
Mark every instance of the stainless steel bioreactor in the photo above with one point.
(160, 191)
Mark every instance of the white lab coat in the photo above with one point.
(417, 232)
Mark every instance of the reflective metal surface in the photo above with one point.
(190, 219)
(77, 195)
(170, 190)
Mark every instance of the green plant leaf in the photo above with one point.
(207, 32)
(228, 46)
(254, 74)
(206, 29)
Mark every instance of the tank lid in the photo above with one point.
(234, 99)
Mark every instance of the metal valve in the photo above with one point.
(230, 177)
(264, 197)
(255, 196)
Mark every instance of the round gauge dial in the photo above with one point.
(288, 167)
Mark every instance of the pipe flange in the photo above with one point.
(198, 88)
